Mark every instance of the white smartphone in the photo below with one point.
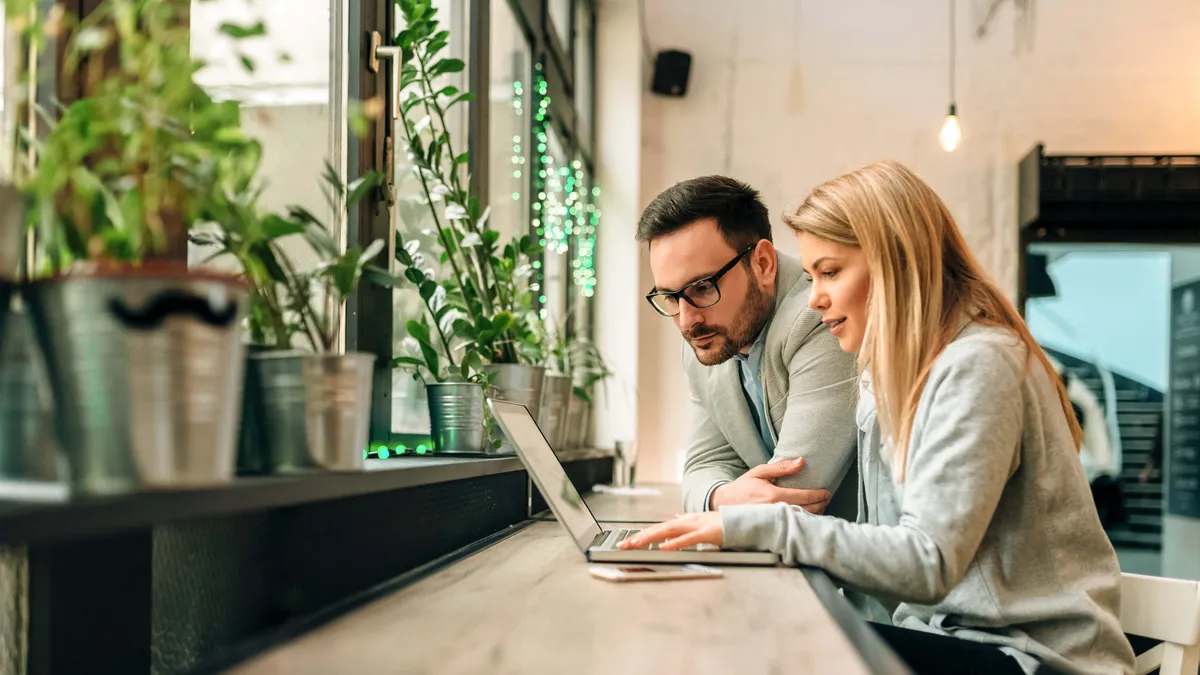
(653, 572)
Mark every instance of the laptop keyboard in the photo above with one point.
(622, 535)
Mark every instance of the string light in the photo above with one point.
(564, 209)
(518, 157)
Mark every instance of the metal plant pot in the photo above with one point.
(315, 409)
(27, 447)
(7, 290)
(456, 416)
(578, 414)
(518, 383)
(12, 232)
(252, 439)
(338, 390)
(146, 369)
(556, 396)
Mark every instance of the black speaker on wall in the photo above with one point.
(671, 70)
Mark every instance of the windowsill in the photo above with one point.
(46, 512)
(42, 512)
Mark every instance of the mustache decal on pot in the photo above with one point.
(172, 303)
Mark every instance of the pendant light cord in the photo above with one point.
(952, 53)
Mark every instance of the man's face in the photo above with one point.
(697, 251)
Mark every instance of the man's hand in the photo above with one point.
(755, 487)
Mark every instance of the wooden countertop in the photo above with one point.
(528, 605)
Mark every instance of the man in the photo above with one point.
(772, 394)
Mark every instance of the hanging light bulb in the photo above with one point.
(951, 133)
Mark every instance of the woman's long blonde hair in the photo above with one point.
(924, 280)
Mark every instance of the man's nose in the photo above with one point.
(688, 315)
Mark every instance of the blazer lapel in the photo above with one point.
(734, 414)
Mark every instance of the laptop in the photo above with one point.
(597, 544)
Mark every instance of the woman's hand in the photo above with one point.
(683, 532)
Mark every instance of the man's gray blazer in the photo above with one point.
(809, 390)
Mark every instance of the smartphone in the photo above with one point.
(653, 572)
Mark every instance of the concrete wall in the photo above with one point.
(619, 271)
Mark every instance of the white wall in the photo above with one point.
(786, 94)
(618, 272)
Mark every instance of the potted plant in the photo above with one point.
(588, 369)
(496, 319)
(144, 355)
(454, 385)
(313, 404)
(558, 383)
(575, 368)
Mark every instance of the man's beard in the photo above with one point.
(729, 340)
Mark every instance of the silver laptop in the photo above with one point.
(598, 544)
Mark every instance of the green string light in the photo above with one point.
(564, 208)
(518, 157)
(542, 172)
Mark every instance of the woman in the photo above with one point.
(975, 518)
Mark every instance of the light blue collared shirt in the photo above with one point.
(749, 367)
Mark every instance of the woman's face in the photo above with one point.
(841, 283)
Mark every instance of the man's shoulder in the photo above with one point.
(793, 323)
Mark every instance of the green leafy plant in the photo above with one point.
(127, 168)
(575, 357)
(288, 301)
(486, 285)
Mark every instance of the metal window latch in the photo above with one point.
(378, 52)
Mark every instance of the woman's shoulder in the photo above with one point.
(979, 351)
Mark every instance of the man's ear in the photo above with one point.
(763, 260)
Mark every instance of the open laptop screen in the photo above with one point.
(548, 473)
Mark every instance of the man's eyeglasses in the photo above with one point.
(700, 293)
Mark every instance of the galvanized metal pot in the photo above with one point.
(338, 390)
(252, 439)
(518, 383)
(27, 447)
(146, 369)
(578, 423)
(552, 419)
(7, 290)
(277, 379)
(456, 416)
(12, 232)
(316, 409)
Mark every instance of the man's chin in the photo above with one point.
(714, 353)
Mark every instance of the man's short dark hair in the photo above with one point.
(739, 211)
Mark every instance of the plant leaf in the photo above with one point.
(275, 227)
(237, 32)
(381, 277)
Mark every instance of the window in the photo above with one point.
(285, 97)
(553, 226)
(560, 23)
(583, 74)
(583, 253)
(410, 412)
(510, 96)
